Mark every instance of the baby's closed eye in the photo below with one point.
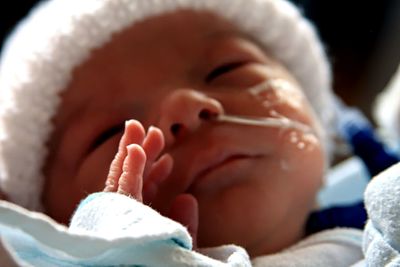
(222, 69)
(105, 135)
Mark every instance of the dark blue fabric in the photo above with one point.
(371, 150)
(353, 216)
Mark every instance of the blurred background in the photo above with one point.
(362, 39)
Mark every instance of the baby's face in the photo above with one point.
(254, 185)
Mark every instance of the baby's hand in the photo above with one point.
(136, 169)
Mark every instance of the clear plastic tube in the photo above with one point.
(282, 123)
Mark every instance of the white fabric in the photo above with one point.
(58, 35)
(330, 248)
(107, 230)
(381, 243)
(110, 229)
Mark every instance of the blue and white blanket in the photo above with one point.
(110, 229)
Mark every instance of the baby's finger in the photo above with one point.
(153, 144)
(158, 173)
(131, 180)
(134, 134)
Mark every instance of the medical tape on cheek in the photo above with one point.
(283, 122)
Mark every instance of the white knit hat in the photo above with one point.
(58, 35)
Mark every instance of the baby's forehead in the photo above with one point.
(181, 34)
(197, 28)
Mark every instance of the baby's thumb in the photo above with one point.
(185, 210)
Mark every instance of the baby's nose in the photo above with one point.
(184, 110)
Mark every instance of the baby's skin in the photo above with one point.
(139, 167)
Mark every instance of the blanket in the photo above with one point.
(381, 241)
(110, 229)
(140, 238)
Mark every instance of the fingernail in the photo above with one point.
(131, 146)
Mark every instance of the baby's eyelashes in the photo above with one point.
(107, 134)
(222, 69)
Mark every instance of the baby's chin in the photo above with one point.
(255, 218)
(256, 243)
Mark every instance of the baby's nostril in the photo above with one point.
(175, 128)
(206, 114)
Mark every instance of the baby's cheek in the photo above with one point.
(93, 171)
(302, 154)
(285, 95)
(282, 99)
(302, 165)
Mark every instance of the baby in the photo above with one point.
(213, 113)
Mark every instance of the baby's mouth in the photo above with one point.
(219, 172)
(215, 166)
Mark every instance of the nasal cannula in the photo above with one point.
(264, 122)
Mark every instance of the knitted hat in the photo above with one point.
(386, 110)
(59, 35)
